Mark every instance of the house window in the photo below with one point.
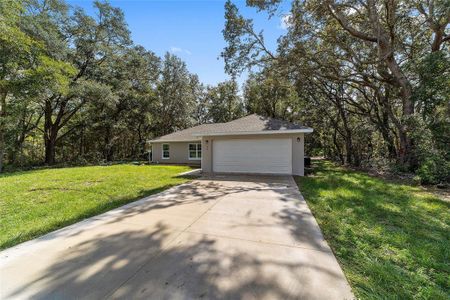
(195, 151)
(165, 151)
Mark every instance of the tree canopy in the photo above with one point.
(75, 88)
(372, 78)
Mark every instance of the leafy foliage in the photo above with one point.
(74, 87)
(366, 76)
(224, 102)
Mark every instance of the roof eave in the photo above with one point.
(303, 130)
(173, 141)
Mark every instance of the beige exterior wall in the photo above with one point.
(179, 153)
(298, 155)
(297, 149)
(207, 154)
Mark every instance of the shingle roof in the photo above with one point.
(248, 125)
(184, 135)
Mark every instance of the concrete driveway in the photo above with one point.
(227, 237)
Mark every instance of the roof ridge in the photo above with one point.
(244, 117)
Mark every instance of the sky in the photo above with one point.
(191, 29)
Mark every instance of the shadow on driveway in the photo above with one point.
(260, 241)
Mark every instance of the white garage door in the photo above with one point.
(253, 156)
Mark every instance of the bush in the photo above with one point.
(433, 170)
(433, 157)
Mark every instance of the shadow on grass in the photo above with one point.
(207, 191)
(391, 240)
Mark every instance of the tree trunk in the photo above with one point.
(406, 149)
(386, 54)
(141, 142)
(18, 140)
(349, 152)
(50, 151)
(108, 150)
(386, 44)
(390, 145)
(3, 95)
(18, 144)
(383, 124)
(81, 145)
(50, 145)
(50, 134)
(338, 148)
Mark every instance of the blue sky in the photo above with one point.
(190, 29)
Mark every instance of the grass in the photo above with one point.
(33, 203)
(392, 240)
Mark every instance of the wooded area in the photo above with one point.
(74, 88)
(371, 77)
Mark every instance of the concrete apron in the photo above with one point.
(232, 237)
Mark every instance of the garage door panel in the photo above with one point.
(253, 156)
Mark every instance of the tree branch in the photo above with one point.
(333, 8)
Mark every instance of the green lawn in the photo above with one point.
(36, 202)
(392, 240)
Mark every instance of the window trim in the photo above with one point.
(196, 151)
(162, 151)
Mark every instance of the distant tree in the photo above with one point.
(73, 87)
(124, 110)
(246, 47)
(83, 41)
(14, 48)
(26, 69)
(200, 113)
(358, 62)
(271, 96)
(224, 103)
(176, 96)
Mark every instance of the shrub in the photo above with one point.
(433, 158)
(434, 169)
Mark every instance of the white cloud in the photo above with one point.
(175, 49)
(286, 21)
(180, 50)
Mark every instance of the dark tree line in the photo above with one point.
(372, 78)
(75, 88)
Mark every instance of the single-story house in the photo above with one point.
(252, 144)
